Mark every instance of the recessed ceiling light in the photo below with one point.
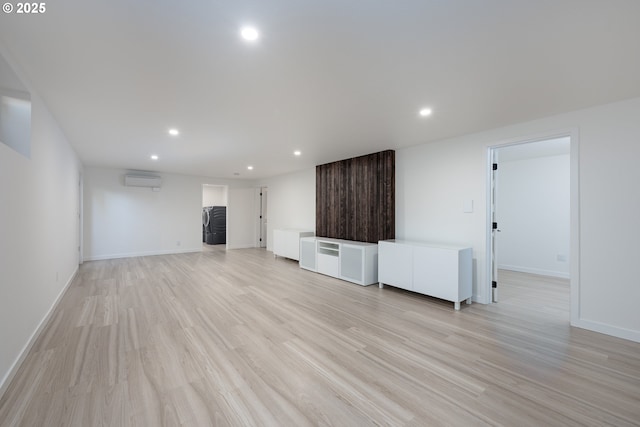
(250, 168)
(297, 153)
(249, 34)
(173, 132)
(425, 112)
(154, 157)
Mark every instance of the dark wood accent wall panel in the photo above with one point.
(355, 198)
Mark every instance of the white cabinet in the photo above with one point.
(441, 271)
(356, 262)
(286, 242)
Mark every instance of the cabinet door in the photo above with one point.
(329, 264)
(435, 272)
(351, 263)
(278, 242)
(395, 264)
(292, 245)
(308, 254)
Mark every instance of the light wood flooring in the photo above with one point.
(239, 338)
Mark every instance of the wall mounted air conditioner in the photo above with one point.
(143, 181)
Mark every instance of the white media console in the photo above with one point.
(441, 271)
(355, 262)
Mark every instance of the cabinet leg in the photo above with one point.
(380, 285)
(456, 305)
(468, 300)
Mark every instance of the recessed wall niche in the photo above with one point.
(355, 198)
(15, 111)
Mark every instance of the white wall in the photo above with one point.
(124, 221)
(433, 180)
(39, 225)
(292, 202)
(533, 215)
(214, 195)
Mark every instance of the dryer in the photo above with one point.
(207, 234)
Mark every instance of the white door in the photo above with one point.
(263, 217)
(494, 226)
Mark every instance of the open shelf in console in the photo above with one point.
(329, 248)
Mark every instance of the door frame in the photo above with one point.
(80, 218)
(574, 212)
(262, 216)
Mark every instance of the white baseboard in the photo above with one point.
(139, 254)
(559, 274)
(4, 384)
(241, 246)
(480, 299)
(627, 334)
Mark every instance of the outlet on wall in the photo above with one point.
(178, 243)
(561, 258)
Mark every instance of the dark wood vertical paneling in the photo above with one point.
(355, 198)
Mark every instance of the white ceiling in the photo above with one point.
(332, 78)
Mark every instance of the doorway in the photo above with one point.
(214, 216)
(262, 237)
(532, 216)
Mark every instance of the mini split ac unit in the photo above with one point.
(143, 181)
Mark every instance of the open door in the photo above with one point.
(263, 217)
(494, 226)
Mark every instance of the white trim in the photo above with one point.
(537, 271)
(81, 217)
(4, 384)
(262, 194)
(242, 246)
(574, 226)
(140, 254)
(257, 202)
(614, 331)
(487, 292)
(574, 239)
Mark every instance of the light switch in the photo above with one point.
(468, 206)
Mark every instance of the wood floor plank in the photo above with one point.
(230, 338)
